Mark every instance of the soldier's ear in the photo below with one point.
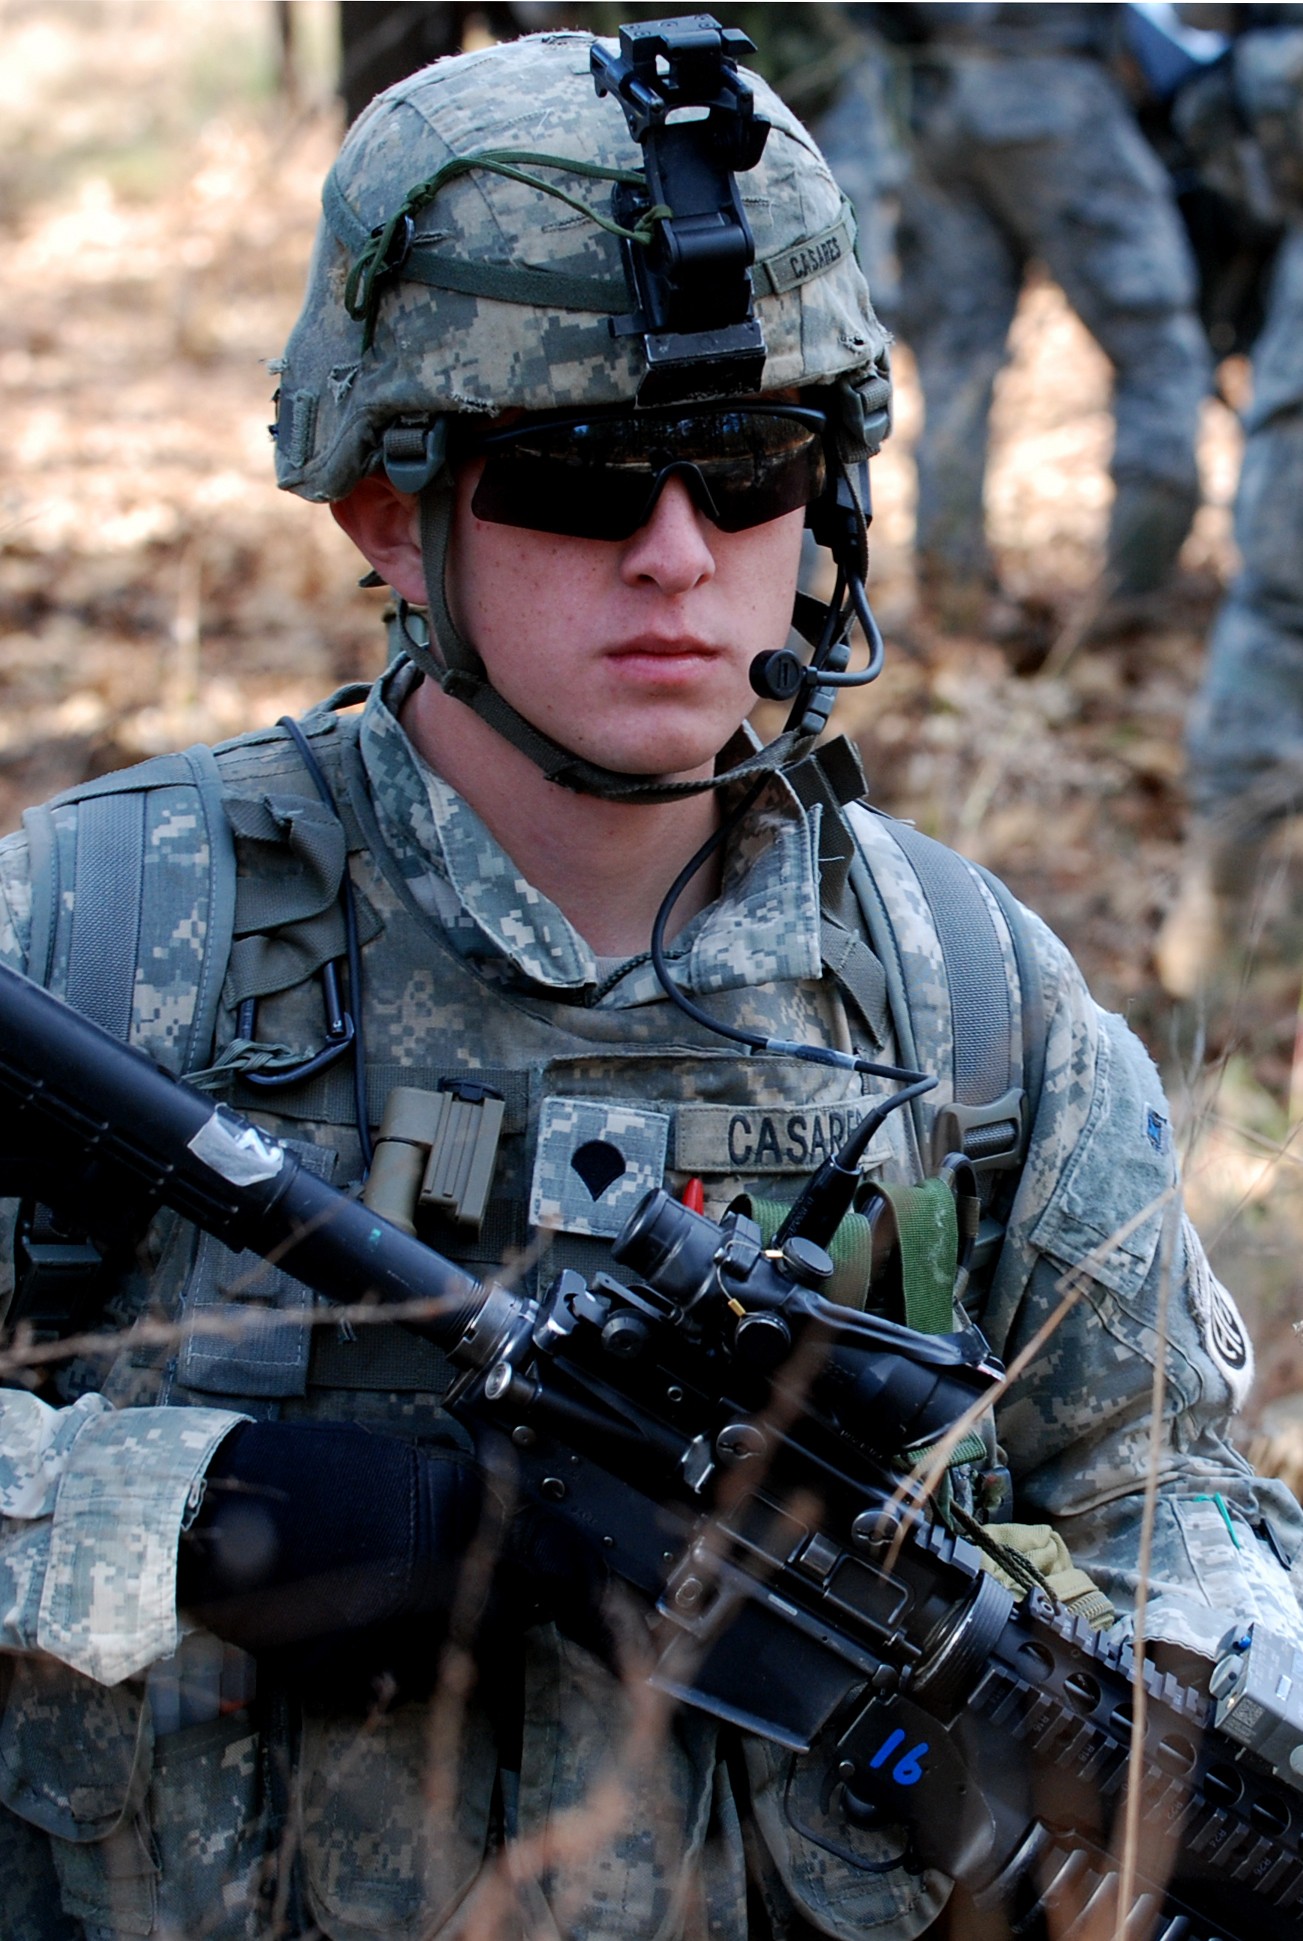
(384, 525)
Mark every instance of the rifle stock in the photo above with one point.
(731, 1442)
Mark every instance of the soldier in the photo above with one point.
(1245, 734)
(1022, 146)
(542, 863)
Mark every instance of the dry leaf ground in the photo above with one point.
(157, 200)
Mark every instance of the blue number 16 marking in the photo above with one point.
(908, 1769)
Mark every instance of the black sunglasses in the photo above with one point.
(598, 476)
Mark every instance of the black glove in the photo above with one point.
(547, 1572)
(310, 1530)
(334, 1554)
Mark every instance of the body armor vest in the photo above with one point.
(597, 1104)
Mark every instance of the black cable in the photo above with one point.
(826, 671)
(695, 862)
(352, 945)
(872, 633)
(835, 625)
(829, 1194)
(754, 1040)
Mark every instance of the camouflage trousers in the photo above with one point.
(1245, 736)
(630, 1828)
(1017, 160)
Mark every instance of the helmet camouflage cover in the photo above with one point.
(508, 285)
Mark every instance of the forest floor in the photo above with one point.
(157, 201)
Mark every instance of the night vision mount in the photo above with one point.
(694, 118)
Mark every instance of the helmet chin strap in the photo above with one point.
(452, 661)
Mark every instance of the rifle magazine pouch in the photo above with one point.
(853, 1879)
(86, 1765)
(376, 1859)
(76, 1759)
(247, 1324)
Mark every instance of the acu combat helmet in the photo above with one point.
(471, 261)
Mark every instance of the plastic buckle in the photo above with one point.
(989, 1136)
(57, 1278)
(414, 453)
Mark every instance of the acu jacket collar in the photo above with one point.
(763, 929)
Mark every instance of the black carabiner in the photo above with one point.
(340, 1032)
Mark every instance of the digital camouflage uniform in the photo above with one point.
(1245, 734)
(155, 1784)
(469, 971)
(1243, 123)
(862, 134)
(1022, 147)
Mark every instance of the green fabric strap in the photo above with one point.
(510, 283)
(376, 261)
(969, 1448)
(851, 1247)
(927, 1228)
(785, 270)
(1027, 1556)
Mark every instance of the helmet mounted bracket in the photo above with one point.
(694, 118)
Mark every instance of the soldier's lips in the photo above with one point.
(656, 658)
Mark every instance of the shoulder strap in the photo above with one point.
(963, 978)
(982, 1029)
(1035, 1021)
(947, 949)
(133, 902)
(940, 944)
(134, 892)
(962, 983)
(133, 880)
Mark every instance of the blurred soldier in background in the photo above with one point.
(382, 40)
(1245, 738)
(1023, 146)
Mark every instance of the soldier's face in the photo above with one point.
(635, 652)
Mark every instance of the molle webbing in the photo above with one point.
(981, 1011)
(133, 898)
(328, 1099)
(110, 856)
(989, 1040)
(328, 1096)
